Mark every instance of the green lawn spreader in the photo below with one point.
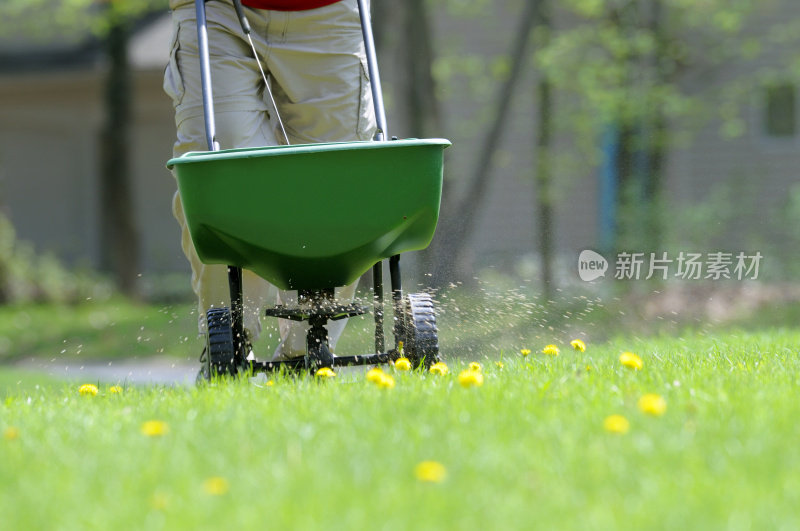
(312, 218)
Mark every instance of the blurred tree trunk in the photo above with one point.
(119, 237)
(653, 182)
(543, 178)
(7, 238)
(422, 107)
(643, 136)
(423, 110)
(458, 218)
(380, 16)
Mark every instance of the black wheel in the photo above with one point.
(220, 354)
(421, 337)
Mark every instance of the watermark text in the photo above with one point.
(717, 265)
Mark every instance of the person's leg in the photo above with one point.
(293, 334)
(241, 121)
(321, 81)
(321, 87)
(210, 282)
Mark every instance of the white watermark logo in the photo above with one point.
(591, 265)
(685, 266)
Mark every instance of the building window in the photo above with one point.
(780, 112)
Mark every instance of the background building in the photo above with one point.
(729, 183)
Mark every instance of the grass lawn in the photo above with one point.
(19, 382)
(527, 449)
(470, 324)
(111, 329)
(121, 329)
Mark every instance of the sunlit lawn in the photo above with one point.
(527, 449)
(110, 329)
(18, 381)
(104, 330)
(471, 324)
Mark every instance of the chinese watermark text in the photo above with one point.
(717, 265)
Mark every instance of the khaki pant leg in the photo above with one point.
(321, 88)
(210, 281)
(241, 121)
(320, 83)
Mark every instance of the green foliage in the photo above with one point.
(42, 20)
(727, 213)
(26, 276)
(656, 71)
(701, 224)
(617, 63)
(782, 225)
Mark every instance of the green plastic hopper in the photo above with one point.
(311, 216)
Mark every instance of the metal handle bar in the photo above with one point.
(205, 75)
(374, 75)
(205, 72)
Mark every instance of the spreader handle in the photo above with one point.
(237, 5)
(374, 76)
(205, 75)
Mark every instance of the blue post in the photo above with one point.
(608, 177)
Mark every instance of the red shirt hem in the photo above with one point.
(287, 5)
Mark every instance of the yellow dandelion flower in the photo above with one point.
(400, 348)
(616, 424)
(631, 360)
(430, 471)
(325, 373)
(216, 486)
(386, 381)
(499, 364)
(470, 378)
(525, 352)
(402, 364)
(115, 390)
(374, 374)
(11, 433)
(269, 383)
(154, 428)
(653, 404)
(88, 390)
(439, 368)
(159, 501)
(550, 350)
(578, 345)
(475, 366)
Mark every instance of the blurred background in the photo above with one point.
(662, 127)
